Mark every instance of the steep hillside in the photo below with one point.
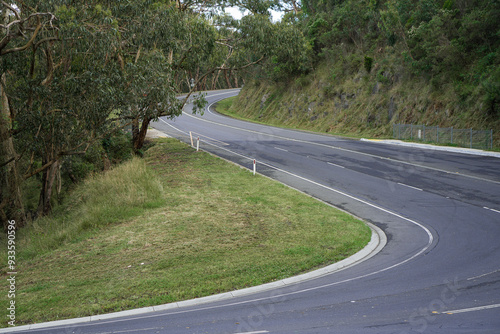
(359, 66)
(343, 98)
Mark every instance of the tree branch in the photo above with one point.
(22, 48)
(184, 56)
(7, 162)
(40, 169)
(12, 9)
(48, 39)
(217, 69)
(22, 21)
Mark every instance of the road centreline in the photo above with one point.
(405, 185)
(332, 164)
(472, 309)
(485, 207)
(337, 148)
(476, 277)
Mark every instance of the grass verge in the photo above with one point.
(176, 225)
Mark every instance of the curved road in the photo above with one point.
(438, 273)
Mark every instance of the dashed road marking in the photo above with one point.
(473, 309)
(402, 184)
(332, 164)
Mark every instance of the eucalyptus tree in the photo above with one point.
(155, 40)
(22, 29)
(61, 84)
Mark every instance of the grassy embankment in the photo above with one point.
(173, 226)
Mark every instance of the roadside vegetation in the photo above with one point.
(175, 225)
(365, 65)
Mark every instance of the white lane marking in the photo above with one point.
(485, 207)
(184, 132)
(132, 330)
(402, 184)
(472, 309)
(331, 163)
(212, 139)
(336, 147)
(281, 149)
(258, 332)
(211, 104)
(475, 277)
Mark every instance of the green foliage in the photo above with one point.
(95, 66)
(117, 147)
(491, 86)
(368, 64)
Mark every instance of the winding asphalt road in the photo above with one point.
(438, 273)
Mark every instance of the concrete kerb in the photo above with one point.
(377, 242)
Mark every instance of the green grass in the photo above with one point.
(176, 225)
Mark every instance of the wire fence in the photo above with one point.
(480, 139)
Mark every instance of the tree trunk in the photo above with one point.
(48, 178)
(11, 204)
(204, 84)
(135, 129)
(228, 82)
(141, 134)
(216, 78)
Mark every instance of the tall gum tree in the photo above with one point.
(20, 29)
(60, 85)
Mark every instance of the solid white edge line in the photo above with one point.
(209, 138)
(429, 233)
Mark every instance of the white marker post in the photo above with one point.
(198, 144)
(191, 136)
(254, 167)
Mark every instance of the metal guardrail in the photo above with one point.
(480, 139)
